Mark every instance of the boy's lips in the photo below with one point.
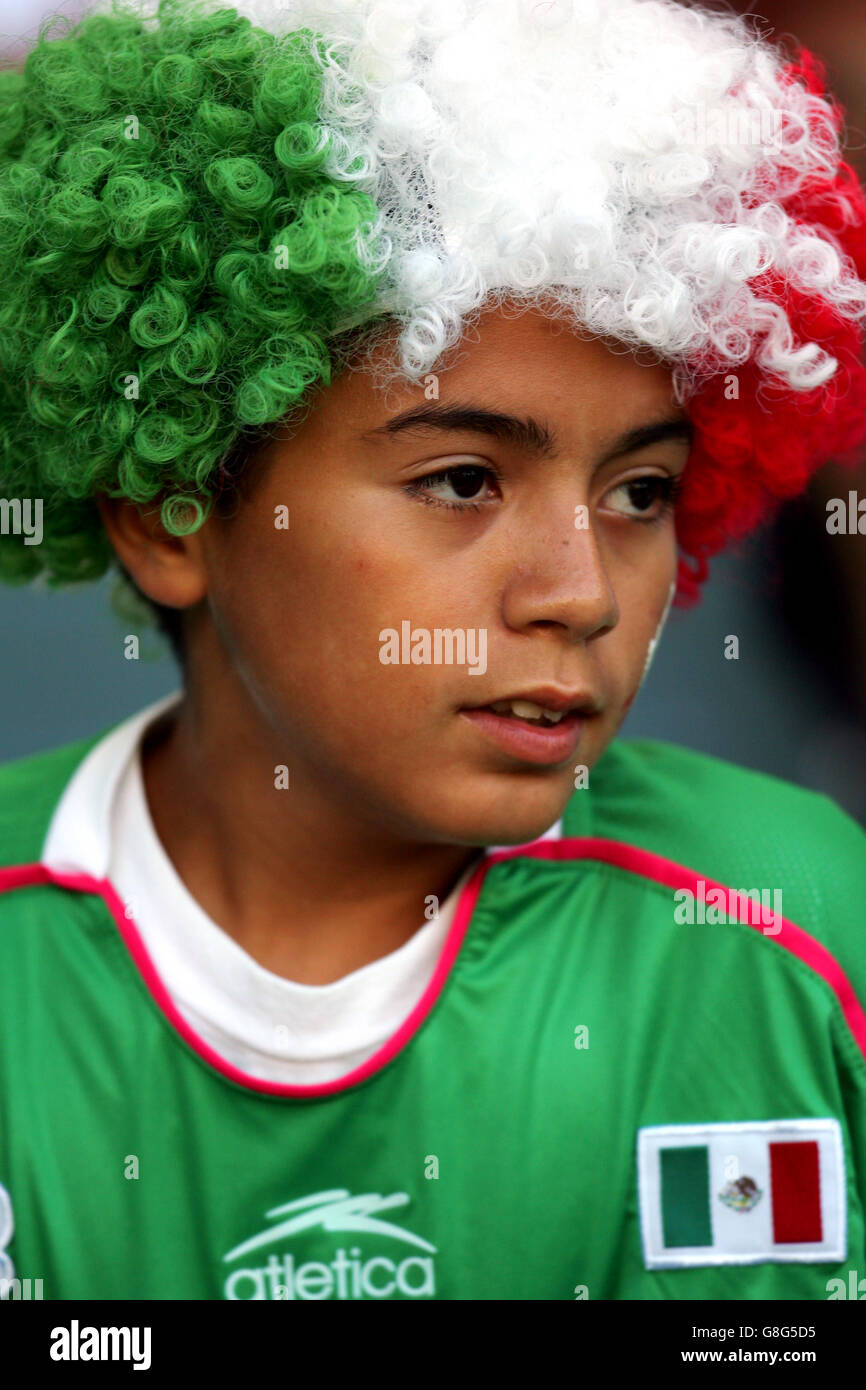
(531, 743)
(534, 742)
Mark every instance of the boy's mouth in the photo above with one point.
(532, 731)
(527, 710)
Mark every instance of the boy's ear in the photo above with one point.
(168, 569)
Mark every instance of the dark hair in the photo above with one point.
(232, 481)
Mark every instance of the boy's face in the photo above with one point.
(546, 597)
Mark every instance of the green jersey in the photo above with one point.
(637, 1072)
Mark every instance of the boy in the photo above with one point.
(410, 362)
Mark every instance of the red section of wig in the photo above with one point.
(752, 452)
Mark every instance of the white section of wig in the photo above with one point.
(588, 154)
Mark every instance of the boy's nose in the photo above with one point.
(563, 582)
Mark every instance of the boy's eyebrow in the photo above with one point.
(529, 435)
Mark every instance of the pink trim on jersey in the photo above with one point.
(624, 856)
(29, 874)
(676, 876)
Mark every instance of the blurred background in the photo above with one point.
(793, 705)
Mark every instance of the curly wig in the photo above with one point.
(199, 206)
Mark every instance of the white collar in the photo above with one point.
(78, 839)
(270, 1028)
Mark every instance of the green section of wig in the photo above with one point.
(173, 256)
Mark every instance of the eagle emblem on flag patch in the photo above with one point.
(742, 1193)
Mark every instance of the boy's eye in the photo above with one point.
(461, 485)
(465, 485)
(647, 498)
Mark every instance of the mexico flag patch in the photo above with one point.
(726, 1194)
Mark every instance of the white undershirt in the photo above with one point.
(271, 1028)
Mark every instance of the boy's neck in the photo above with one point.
(310, 896)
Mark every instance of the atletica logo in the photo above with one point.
(349, 1275)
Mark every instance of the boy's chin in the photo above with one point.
(502, 831)
(511, 837)
(478, 812)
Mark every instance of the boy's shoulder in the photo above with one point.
(30, 789)
(737, 827)
(678, 802)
